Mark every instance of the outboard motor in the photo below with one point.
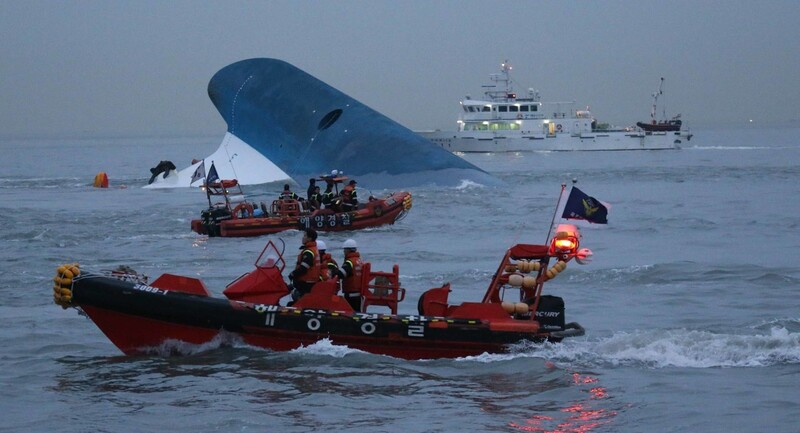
(550, 313)
(212, 217)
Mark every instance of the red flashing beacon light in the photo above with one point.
(566, 241)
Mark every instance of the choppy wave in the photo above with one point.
(175, 347)
(780, 344)
(683, 271)
(326, 347)
(468, 184)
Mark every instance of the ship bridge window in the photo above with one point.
(476, 127)
(503, 126)
(502, 108)
(513, 108)
(523, 108)
(486, 108)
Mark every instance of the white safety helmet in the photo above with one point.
(334, 172)
(321, 245)
(349, 244)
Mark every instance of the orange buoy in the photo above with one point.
(101, 180)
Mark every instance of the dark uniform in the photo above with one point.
(350, 274)
(306, 272)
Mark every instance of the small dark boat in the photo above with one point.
(664, 125)
(142, 317)
(230, 215)
(673, 124)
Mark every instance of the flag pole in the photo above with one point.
(555, 212)
(543, 269)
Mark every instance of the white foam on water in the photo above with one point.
(675, 348)
(468, 184)
(327, 348)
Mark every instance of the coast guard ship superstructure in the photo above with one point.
(506, 122)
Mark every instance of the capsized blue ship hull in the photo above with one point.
(307, 128)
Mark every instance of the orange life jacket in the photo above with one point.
(313, 273)
(352, 284)
(327, 262)
(347, 193)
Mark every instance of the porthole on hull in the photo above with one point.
(329, 119)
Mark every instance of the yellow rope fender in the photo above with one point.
(62, 287)
(407, 202)
(555, 270)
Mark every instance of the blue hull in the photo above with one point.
(307, 128)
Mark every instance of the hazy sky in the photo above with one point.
(142, 67)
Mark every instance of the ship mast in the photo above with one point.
(655, 99)
(507, 90)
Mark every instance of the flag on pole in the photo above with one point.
(199, 173)
(581, 206)
(212, 174)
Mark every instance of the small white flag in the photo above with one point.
(200, 173)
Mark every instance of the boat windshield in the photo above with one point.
(270, 257)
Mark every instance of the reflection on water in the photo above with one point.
(577, 416)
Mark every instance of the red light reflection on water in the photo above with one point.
(579, 417)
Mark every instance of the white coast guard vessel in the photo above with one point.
(504, 122)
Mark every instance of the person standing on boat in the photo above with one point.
(328, 266)
(315, 199)
(349, 199)
(350, 274)
(306, 272)
(311, 186)
(287, 194)
(328, 197)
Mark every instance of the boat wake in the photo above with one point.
(776, 345)
(727, 148)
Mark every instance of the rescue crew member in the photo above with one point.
(287, 194)
(328, 196)
(311, 185)
(328, 266)
(350, 197)
(315, 199)
(350, 274)
(306, 272)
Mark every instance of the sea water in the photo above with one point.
(690, 305)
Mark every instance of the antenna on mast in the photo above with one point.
(655, 99)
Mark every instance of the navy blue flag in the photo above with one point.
(581, 206)
(212, 174)
(199, 173)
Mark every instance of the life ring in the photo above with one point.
(246, 207)
(378, 211)
(558, 127)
